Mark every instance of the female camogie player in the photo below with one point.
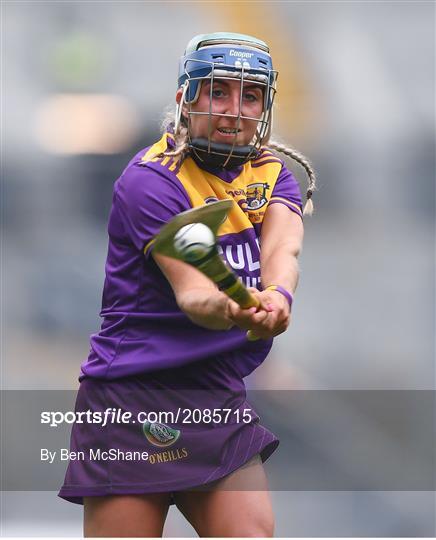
(170, 341)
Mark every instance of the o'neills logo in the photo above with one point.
(160, 434)
(240, 54)
(169, 455)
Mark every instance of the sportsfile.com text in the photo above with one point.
(118, 416)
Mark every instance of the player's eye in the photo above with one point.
(251, 96)
(217, 92)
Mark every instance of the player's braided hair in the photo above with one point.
(181, 150)
(180, 135)
(305, 163)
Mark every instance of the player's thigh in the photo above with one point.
(125, 515)
(237, 505)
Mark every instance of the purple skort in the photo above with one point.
(185, 451)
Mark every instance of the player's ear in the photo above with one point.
(179, 94)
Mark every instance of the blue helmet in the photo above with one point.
(224, 55)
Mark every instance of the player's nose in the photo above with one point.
(234, 101)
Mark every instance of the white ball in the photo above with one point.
(194, 241)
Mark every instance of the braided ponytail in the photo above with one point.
(180, 135)
(304, 162)
(181, 140)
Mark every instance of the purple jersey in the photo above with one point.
(143, 328)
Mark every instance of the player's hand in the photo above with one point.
(246, 318)
(277, 318)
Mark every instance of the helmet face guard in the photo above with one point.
(226, 57)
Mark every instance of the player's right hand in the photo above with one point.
(246, 319)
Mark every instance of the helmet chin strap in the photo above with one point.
(216, 155)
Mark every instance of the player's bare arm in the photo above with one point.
(281, 243)
(200, 299)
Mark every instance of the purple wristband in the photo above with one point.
(283, 291)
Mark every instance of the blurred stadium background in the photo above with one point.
(84, 87)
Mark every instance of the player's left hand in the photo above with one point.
(279, 314)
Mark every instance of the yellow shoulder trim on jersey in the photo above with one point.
(282, 199)
(264, 158)
(173, 165)
(157, 148)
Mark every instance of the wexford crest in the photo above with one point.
(256, 195)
